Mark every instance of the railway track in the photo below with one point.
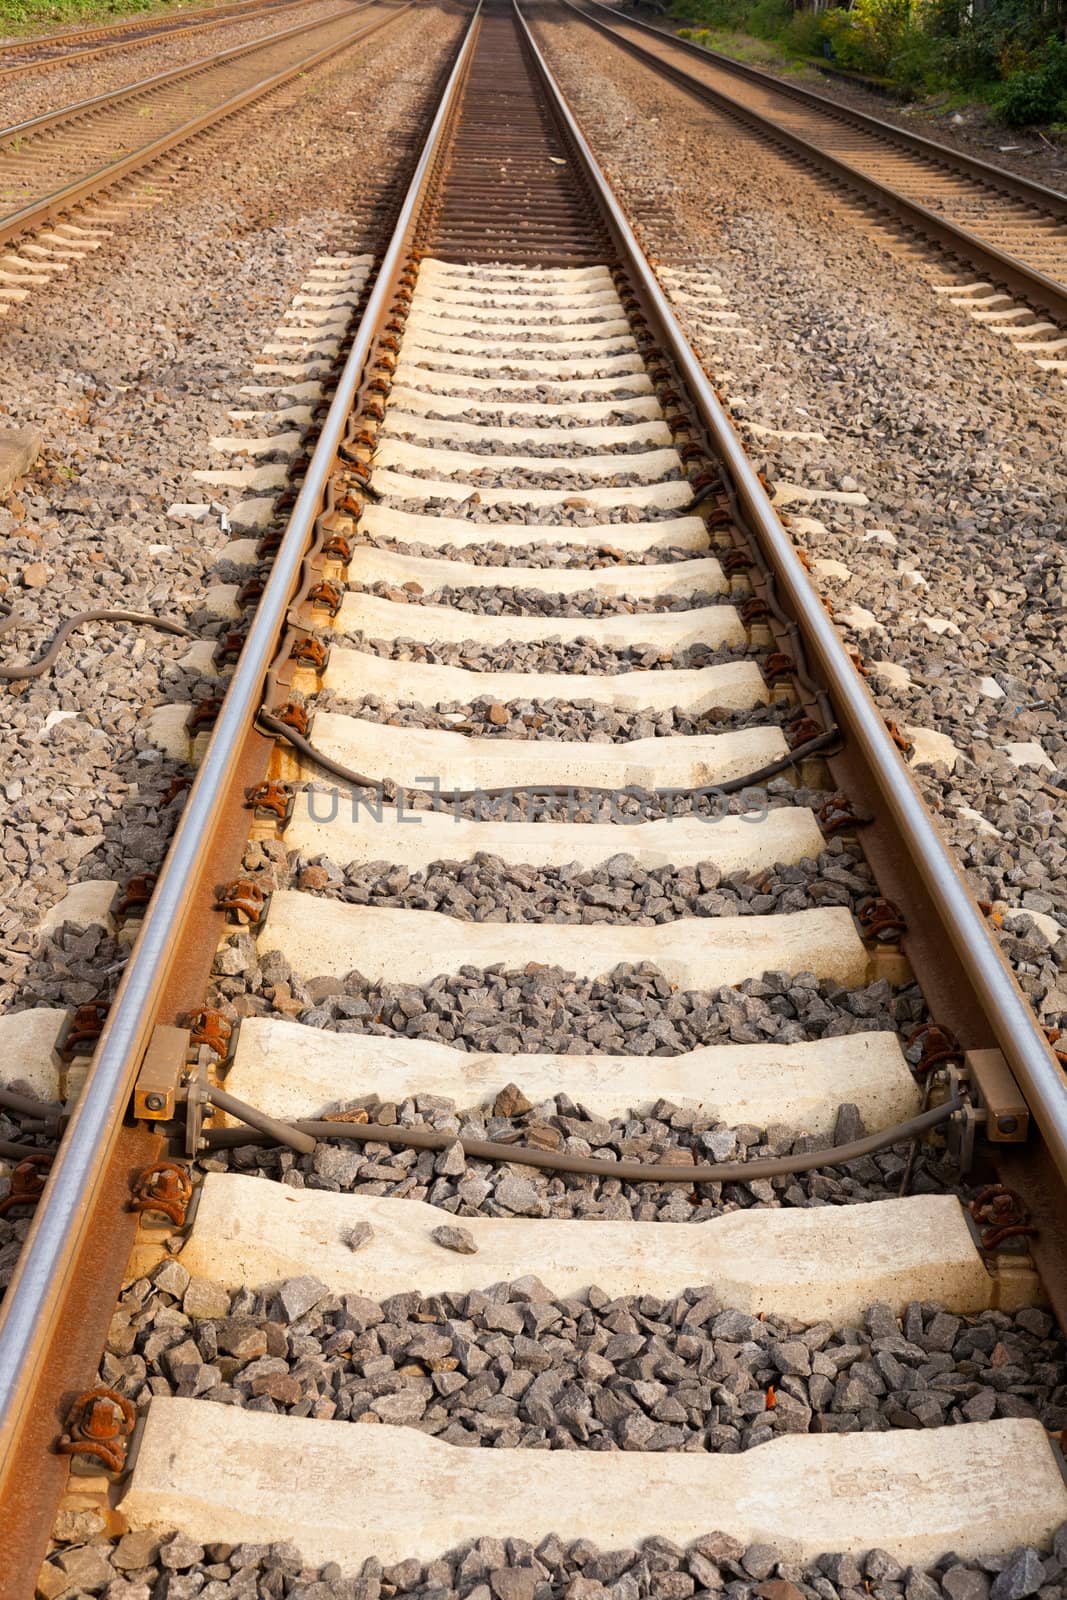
(21, 56)
(543, 786)
(53, 163)
(1003, 224)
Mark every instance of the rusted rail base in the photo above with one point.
(30, 1494)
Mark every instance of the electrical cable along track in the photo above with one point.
(534, 639)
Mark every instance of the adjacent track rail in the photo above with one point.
(1003, 224)
(518, 379)
(20, 57)
(37, 155)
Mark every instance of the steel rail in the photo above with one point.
(32, 1307)
(930, 149)
(130, 91)
(62, 200)
(1013, 1023)
(1034, 286)
(227, 16)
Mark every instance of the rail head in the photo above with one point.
(1010, 1018)
(43, 1278)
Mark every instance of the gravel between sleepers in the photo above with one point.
(486, 889)
(486, 601)
(955, 438)
(578, 656)
(538, 555)
(517, 1366)
(129, 364)
(550, 719)
(513, 1569)
(573, 512)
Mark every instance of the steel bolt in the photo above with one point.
(154, 1102)
(1007, 1124)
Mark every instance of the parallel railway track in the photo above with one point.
(530, 571)
(1003, 224)
(19, 57)
(104, 140)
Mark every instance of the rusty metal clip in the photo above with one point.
(212, 1029)
(99, 1424)
(356, 469)
(801, 731)
(737, 561)
(326, 595)
(754, 610)
(777, 666)
(310, 652)
(902, 743)
(338, 548)
(838, 813)
(86, 1026)
(137, 893)
(179, 784)
(27, 1182)
(936, 1046)
(271, 795)
(694, 452)
(294, 716)
(270, 542)
(204, 714)
(1001, 1214)
(243, 899)
(229, 647)
(880, 918)
(251, 591)
(704, 481)
(164, 1187)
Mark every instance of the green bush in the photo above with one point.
(803, 34)
(767, 18)
(1005, 52)
(1038, 91)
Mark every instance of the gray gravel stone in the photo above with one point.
(1023, 1576)
(512, 1569)
(516, 1366)
(459, 1239)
